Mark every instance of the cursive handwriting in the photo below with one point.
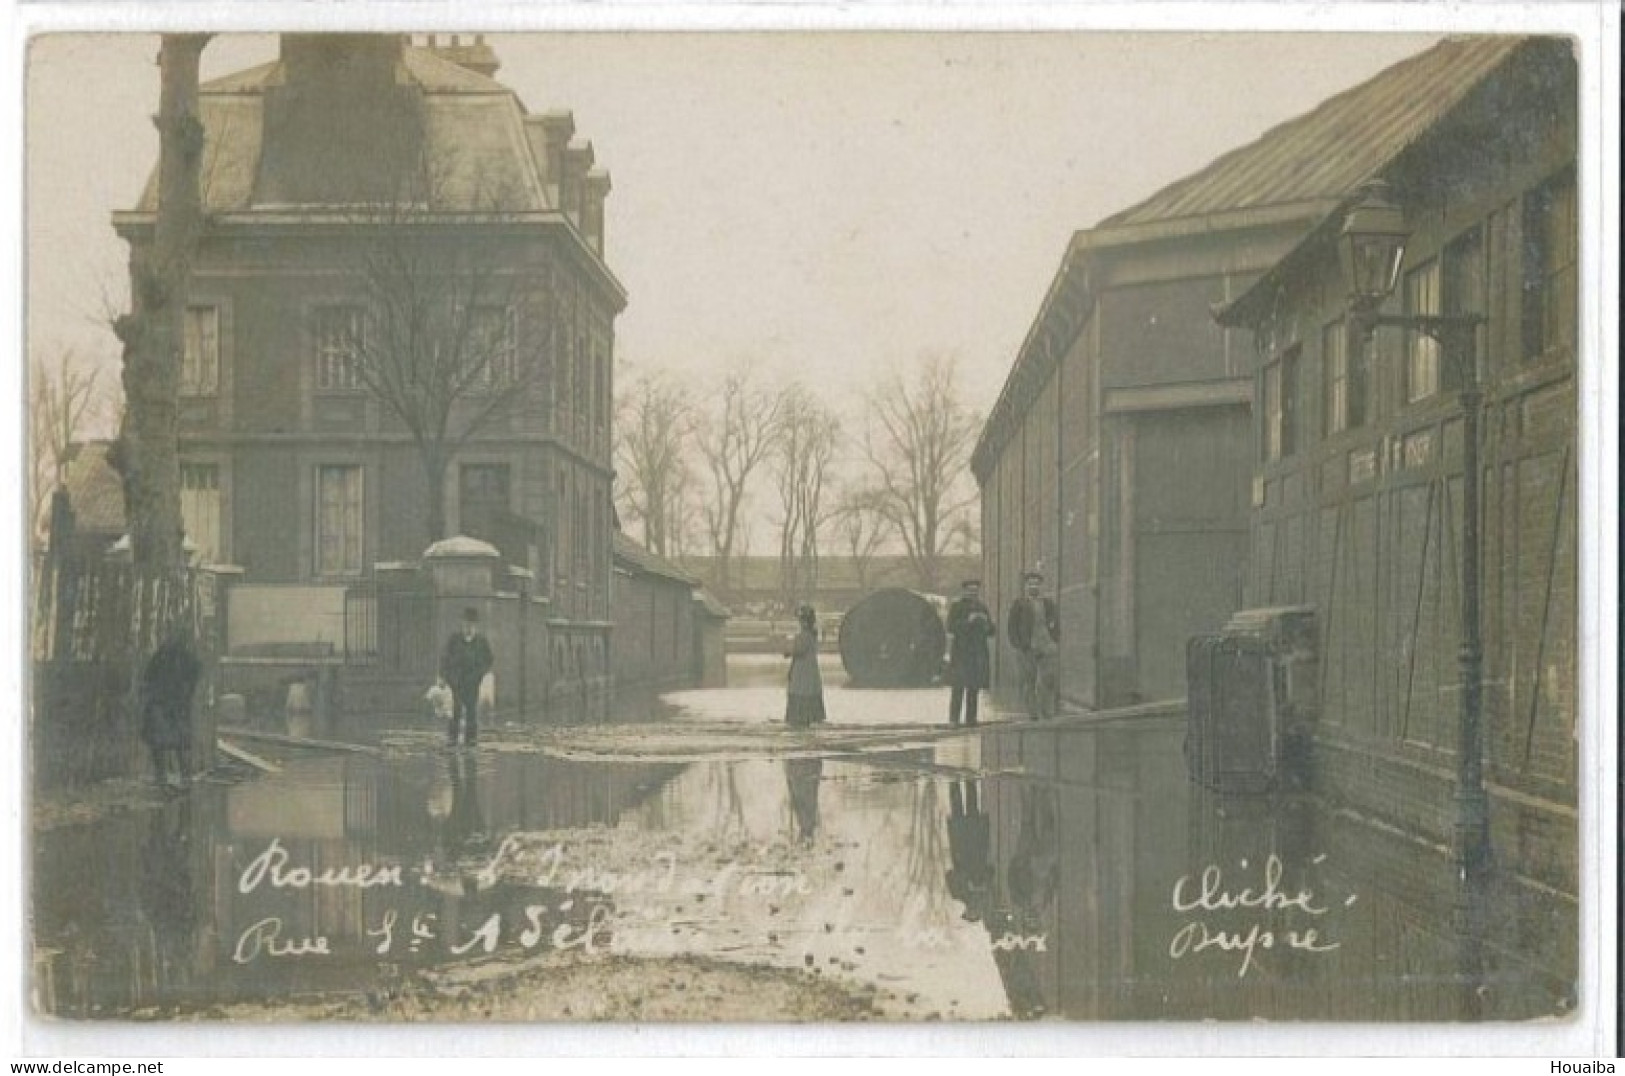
(661, 874)
(265, 937)
(1214, 897)
(1010, 941)
(1194, 937)
(1209, 892)
(272, 865)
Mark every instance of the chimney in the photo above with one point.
(345, 61)
(473, 54)
(573, 186)
(341, 128)
(592, 223)
(558, 128)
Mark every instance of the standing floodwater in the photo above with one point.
(1065, 871)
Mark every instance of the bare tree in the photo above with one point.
(653, 427)
(733, 441)
(861, 529)
(450, 332)
(147, 452)
(804, 449)
(62, 401)
(444, 339)
(918, 445)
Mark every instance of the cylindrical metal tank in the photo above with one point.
(893, 638)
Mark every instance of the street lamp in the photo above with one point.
(1371, 248)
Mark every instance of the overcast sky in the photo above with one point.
(822, 204)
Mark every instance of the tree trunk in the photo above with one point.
(435, 464)
(147, 453)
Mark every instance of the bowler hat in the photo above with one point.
(471, 614)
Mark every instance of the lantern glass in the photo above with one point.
(1372, 246)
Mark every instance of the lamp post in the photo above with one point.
(1372, 247)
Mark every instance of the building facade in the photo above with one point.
(348, 150)
(1118, 458)
(1357, 479)
(668, 631)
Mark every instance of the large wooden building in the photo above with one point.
(1118, 459)
(291, 468)
(1357, 475)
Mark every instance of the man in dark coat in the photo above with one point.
(167, 683)
(1035, 632)
(970, 626)
(464, 663)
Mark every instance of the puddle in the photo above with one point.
(1060, 872)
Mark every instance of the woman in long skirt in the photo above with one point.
(806, 702)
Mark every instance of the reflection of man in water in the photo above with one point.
(802, 776)
(167, 896)
(1035, 865)
(970, 879)
(464, 825)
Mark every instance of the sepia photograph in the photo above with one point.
(1065, 527)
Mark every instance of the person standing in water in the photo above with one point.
(970, 625)
(806, 695)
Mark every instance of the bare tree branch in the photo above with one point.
(804, 448)
(733, 441)
(917, 447)
(62, 399)
(445, 338)
(653, 429)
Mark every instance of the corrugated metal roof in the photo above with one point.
(1332, 148)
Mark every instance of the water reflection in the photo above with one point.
(1068, 872)
(801, 777)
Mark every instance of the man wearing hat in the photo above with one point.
(970, 625)
(1035, 632)
(463, 664)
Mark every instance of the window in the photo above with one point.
(1334, 361)
(582, 385)
(339, 521)
(200, 351)
(1551, 251)
(1281, 406)
(1347, 373)
(200, 508)
(494, 345)
(1422, 296)
(482, 492)
(600, 398)
(338, 338)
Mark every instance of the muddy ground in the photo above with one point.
(579, 989)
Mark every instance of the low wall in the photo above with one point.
(259, 614)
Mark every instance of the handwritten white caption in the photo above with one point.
(1208, 893)
(586, 890)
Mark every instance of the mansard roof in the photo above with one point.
(275, 139)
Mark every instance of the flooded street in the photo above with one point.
(1067, 871)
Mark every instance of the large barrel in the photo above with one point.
(893, 638)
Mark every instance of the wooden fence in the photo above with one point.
(93, 625)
